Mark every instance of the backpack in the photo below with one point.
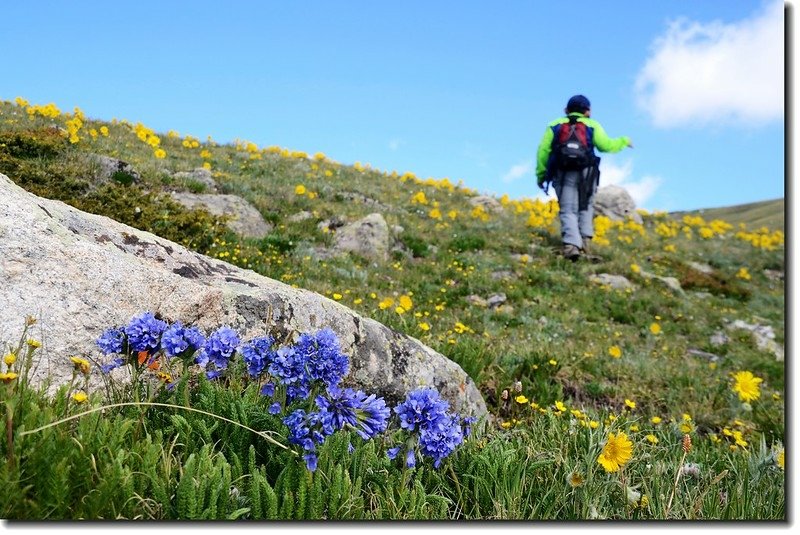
(572, 145)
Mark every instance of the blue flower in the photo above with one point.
(268, 389)
(411, 459)
(391, 453)
(422, 408)
(144, 332)
(218, 348)
(367, 415)
(275, 408)
(111, 341)
(311, 461)
(257, 354)
(178, 339)
(439, 443)
(323, 357)
(467, 423)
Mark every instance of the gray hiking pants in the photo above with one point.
(576, 224)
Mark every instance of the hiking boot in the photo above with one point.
(571, 252)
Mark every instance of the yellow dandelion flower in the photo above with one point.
(655, 420)
(617, 451)
(552, 362)
(655, 328)
(424, 326)
(521, 399)
(104, 131)
(35, 344)
(400, 310)
(505, 425)
(630, 404)
(652, 439)
(634, 428)
(743, 274)
(80, 397)
(7, 377)
(594, 424)
(615, 352)
(160, 154)
(746, 386)
(560, 406)
(635, 268)
(9, 358)
(300, 189)
(337, 296)
(405, 302)
(80, 364)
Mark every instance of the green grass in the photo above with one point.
(552, 336)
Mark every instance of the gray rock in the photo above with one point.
(670, 282)
(200, 175)
(300, 216)
(489, 203)
(80, 274)
(476, 300)
(618, 282)
(718, 339)
(495, 300)
(615, 203)
(367, 237)
(246, 220)
(764, 337)
(702, 268)
(106, 167)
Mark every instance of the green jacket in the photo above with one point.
(601, 141)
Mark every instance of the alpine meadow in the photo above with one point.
(646, 383)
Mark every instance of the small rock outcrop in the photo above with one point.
(245, 219)
(367, 237)
(487, 202)
(108, 168)
(200, 175)
(615, 203)
(80, 274)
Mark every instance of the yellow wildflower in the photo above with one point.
(652, 439)
(617, 451)
(7, 377)
(746, 385)
(300, 189)
(521, 399)
(80, 396)
(655, 328)
(9, 358)
(615, 351)
(655, 420)
(80, 364)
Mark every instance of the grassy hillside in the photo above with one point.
(564, 363)
(754, 215)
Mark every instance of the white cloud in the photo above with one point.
(699, 73)
(620, 175)
(395, 144)
(521, 170)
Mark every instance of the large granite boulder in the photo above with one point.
(615, 203)
(80, 274)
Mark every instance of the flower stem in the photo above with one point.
(675, 485)
(262, 434)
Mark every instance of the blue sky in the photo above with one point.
(458, 89)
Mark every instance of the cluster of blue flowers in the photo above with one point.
(424, 416)
(291, 375)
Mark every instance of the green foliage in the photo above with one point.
(467, 242)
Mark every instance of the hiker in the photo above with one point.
(566, 159)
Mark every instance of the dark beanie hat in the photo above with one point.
(578, 103)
